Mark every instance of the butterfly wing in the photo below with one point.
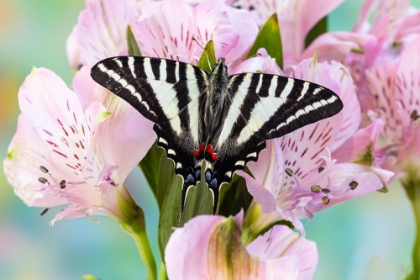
(169, 93)
(264, 107)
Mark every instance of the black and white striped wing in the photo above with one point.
(264, 107)
(168, 93)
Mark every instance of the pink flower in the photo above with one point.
(296, 176)
(70, 149)
(296, 19)
(395, 86)
(168, 30)
(215, 251)
(100, 32)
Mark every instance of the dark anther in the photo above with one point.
(44, 211)
(325, 190)
(197, 174)
(42, 180)
(320, 169)
(289, 172)
(326, 200)
(414, 115)
(63, 184)
(353, 185)
(43, 169)
(251, 8)
(316, 188)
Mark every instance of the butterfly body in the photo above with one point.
(211, 116)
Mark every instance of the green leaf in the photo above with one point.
(133, 47)
(150, 167)
(270, 39)
(208, 57)
(169, 212)
(319, 29)
(166, 177)
(234, 197)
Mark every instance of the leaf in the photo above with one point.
(319, 29)
(166, 177)
(150, 167)
(208, 57)
(169, 213)
(234, 197)
(270, 39)
(133, 47)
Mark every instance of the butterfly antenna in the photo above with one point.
(248, 57)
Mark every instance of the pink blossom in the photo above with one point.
(215, 251)
(296, 19)
(168, 30)
(296, 176)
(70, 149)
(395, 86)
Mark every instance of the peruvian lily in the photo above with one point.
(395, 86)
(177, 30)
(319, 165)
(215, 251)
(71, 150)
(100, 32)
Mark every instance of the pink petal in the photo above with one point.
(73, 50)
(101, 29)
(259, 193)
(337, 45)
(282, 241)
(296, 20)
(262, 63)
(336, 77)
(127, 136)
(356, 145)
(368, 179)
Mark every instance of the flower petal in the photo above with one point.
(282, 241)
(101, 29)
(209, 247)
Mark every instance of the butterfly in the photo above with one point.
(213, 117)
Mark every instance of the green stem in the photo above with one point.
(162, 272)
(137, 230)
(412, 187)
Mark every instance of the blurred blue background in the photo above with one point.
(376, 228)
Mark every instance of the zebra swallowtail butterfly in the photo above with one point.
(213, 117)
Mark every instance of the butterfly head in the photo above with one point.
(219, 68)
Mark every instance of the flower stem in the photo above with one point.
(412, 187)
(137, 229)
(162, 273)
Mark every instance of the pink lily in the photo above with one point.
(215, 251)
(395, 86)
(64, 153)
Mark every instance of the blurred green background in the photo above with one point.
(377, 228)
